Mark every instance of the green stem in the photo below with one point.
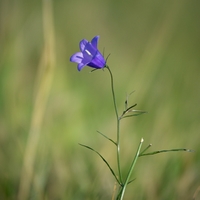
(118, 123)
(121, 193)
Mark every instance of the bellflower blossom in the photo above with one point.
(89, 55)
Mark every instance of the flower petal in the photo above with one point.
(80, 66)
(98, 61)
(94, 41)
(82, 44)
(77, 57)
(89, 51)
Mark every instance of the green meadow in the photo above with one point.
(48, 107)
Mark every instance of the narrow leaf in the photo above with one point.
(163, 151)
(135, 114)
(146, 148)
(103, 160)
(126, 102)
(107, 138)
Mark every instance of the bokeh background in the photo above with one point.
(47, 107)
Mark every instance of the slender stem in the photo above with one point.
(118, 123)
(130, 170)
(113, 92)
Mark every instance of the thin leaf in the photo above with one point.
(135, 114)
(128, 109)
(131, 107)
(131, 181)
(103, 160)
(93, 70)
(126, 102)
(146, 148)
(163, 151)
(107, 138)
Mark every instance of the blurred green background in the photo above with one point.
(47, 107)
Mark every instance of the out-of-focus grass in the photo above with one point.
(154, 48)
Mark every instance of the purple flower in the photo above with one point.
(89, 55)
